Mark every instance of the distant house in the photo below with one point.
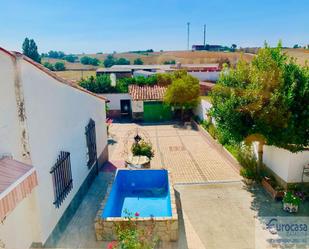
(208, 47)
(52, 141)
(116, 72)
(147, 103)
(119, 105)
(204, 72)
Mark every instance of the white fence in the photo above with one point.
(202, 109)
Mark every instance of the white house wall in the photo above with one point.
(9, 127)
(138, 106)
(114, 99)
(206, 76)
(20, 228)
(57, 115)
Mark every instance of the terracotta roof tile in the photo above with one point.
(147, 92)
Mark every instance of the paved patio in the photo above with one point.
(180, 149)
(231, 215)
(215, 209)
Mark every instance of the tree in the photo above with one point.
(183, 92)
(55, 54)
(266, 101)
(233, 47)
(138, 61)
(122, 61)
(100, 84)
(109, 61)
(30, 49)
(170, 62)
(50, 66)
(164, 79)
(86, 60)
(59, 66)
(296, 46)
(70, 58)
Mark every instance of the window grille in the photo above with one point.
(91, 143)
(62, 178)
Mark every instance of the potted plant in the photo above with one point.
(142, 148)
(291, 202)
(272, 188)
(248, 175)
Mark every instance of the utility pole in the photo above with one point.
(204, 35)
(188, 33)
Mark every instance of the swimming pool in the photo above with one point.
(145, 192)
(149, 193)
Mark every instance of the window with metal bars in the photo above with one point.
(91, 143)
(62, 178)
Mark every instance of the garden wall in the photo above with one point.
(285, 164)
(202, 109)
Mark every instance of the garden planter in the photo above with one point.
(289, 207)
(276, 195)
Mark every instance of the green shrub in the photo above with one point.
(59, 66)
(212, 131)
(246, 157)
(50, 66)
(142, 148)
(130, 236)
(247, 173)
(289, 197)
(138, 61)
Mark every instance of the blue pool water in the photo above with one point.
(143, 191)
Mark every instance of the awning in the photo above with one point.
(17, 180)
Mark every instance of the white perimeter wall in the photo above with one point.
(206, 76)
(114, 99)
(9, 126)
(57, 115)
(20, 228)
(202, 109)
(287, 165)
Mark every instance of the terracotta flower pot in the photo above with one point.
(276, 195)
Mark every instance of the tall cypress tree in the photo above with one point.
(30, 49)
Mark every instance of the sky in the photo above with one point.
(91, 26)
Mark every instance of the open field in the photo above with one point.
(300, 54)
(76, 74)
(190, 57)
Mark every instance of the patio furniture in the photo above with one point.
(305, 172)
(137, 162)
